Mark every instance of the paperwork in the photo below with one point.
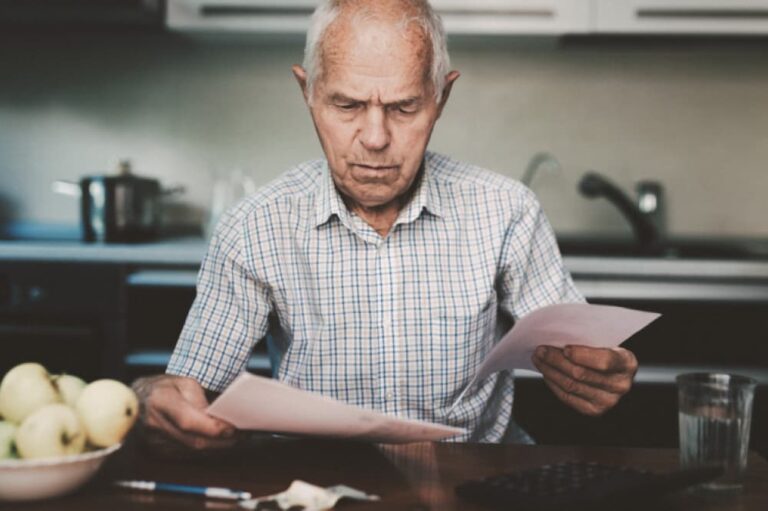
(599, 326)
(254, 402)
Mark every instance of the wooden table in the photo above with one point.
(409, 477)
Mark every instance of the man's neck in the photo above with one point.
(380, 219)
(383, 218)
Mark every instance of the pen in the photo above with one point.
(203, 491)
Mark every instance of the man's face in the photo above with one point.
(374, 110)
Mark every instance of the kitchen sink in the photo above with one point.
(674, 248)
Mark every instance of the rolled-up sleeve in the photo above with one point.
(228, 316)
(532, 273)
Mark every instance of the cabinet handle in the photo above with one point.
(699, 14)
(224, 11)
(517, 13)
(46, 331)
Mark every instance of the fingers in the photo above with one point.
(583, 376)
(195, 419)
(176, 406)
(613, 360)
(191, 440)
(585, 398)
(591, 380)
(576, 402)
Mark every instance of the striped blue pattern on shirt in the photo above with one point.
(398, 324)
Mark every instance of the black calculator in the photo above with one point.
(576, 485)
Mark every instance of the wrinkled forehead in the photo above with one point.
(366, 38)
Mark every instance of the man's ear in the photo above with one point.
(449, 79)
(301, 78)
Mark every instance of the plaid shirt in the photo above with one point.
(398, 324)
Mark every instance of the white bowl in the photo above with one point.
(43, 478)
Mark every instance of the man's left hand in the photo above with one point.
(591, 380)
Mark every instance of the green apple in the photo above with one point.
(24, 389)
(7, 435)
(53, 430)
(108, 409)
(69, 387)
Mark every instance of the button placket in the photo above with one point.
(389, 348)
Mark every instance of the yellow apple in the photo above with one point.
(108, 409)
(69, 387)
(24, 389)
(53, 430)
(7, 435)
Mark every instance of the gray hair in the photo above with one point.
(328, 11)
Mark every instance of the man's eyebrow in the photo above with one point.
(404, 102)
(338, 97)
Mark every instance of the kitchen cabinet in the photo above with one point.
(80, 13)
(280, 16)
(725, 17)
(498, 17)
(515, 17)
(545, 17)
(63, 315)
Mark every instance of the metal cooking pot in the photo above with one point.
(119, 208)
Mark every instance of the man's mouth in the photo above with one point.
(375, 167)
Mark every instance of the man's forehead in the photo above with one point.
(375, 54)
(386, 80)
(375, 40)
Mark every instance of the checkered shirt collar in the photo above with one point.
(426, 198)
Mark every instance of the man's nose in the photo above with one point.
(374, 134)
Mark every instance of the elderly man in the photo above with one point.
(384, 272)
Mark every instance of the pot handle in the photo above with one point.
(67, 188)
(174, 190)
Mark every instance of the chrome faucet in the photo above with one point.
(540, 160)
(646, 214)
(650, 202)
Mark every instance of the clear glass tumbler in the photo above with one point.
(714, 414)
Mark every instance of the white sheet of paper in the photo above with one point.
(257, 403)
(600, 326)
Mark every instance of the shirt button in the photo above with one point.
(389, 396)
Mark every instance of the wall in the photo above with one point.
(694, 116)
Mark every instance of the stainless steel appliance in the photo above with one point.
(119, 208)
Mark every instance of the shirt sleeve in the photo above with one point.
(532, 273)
(228, 316)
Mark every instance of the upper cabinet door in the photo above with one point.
(514, 17)
(510, 17)
(729, 17)
(291, 16)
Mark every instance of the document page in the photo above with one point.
(600, 326)
(257, 403)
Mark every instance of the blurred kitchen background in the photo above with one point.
(672, 91)
(692, 114)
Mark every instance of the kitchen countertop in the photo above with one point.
(176, 252)
(190, 251)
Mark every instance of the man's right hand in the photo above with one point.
(174, 406)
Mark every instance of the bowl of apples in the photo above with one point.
(57, 430)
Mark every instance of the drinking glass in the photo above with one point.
(714, 414)
(228, 189)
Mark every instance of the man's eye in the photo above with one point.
(406, 109)
(347, 107)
